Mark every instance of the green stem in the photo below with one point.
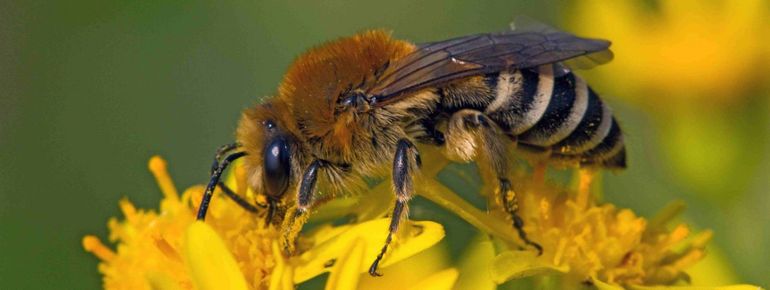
(445, 197)
(436, 192)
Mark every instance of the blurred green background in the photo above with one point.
(89, 90)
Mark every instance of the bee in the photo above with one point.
(355, 107)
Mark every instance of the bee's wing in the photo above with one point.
(443, 61)
(524, 24)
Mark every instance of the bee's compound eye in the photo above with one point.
(277, 167)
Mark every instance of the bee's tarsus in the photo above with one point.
(373, 268)
(271, 205)
(215, 175)
(538, 248)
(510, 203)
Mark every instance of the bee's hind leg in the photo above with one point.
(405, 162)
(471, 135)
(511, 205)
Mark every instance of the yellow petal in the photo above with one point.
(345, 273)
(419, 236)
(518, 264)
(280, 278)
(334, 209)
(409, 271)
(275, 276)
(210, 264)
(475, 265)
(443, 280)
(715, 269)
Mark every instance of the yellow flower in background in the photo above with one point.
(235, 250)
(698, 67)
(705, 51)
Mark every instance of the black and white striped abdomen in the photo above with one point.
(556, 113)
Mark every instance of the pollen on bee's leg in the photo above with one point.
(93, 245)
(292, 225)
(158, 168)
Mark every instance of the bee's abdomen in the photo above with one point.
(556, 113)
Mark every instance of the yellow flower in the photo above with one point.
(235, 250)
(584, 242)
(687, 50)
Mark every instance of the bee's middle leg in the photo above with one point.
(406, 161)
(471, 135)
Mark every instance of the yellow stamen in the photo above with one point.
(93, 245)
(678, 234)
(545, 210)
(584, 187)
(158, 168)
(128, 209)
(700, 240)
(167, 249)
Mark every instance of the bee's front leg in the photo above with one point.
(294, 221)
(406, 161)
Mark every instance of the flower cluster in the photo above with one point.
(234, 249)
(585, 243)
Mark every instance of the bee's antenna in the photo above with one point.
(217, 172)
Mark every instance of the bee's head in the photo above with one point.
(273, 152)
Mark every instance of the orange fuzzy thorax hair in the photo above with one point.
(308, 94)
(315, 80)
